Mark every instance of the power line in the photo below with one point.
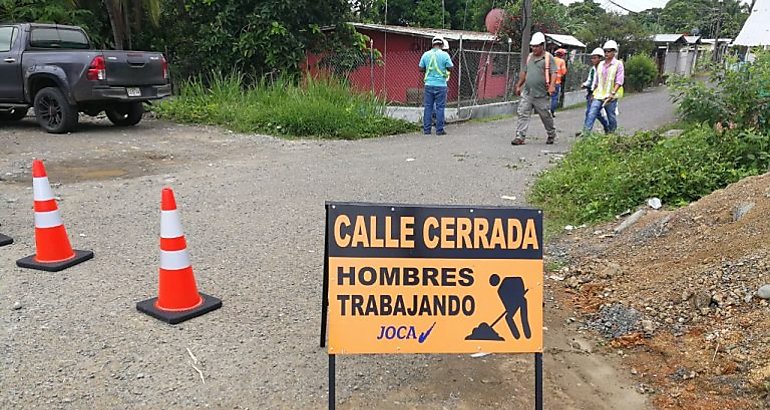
(618, 5)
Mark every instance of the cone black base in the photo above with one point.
(30, 262)
(210, 303)
(5, 240)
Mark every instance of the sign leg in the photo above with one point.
(324, 308)
(332, 383)
(538, 381)
(325, 296)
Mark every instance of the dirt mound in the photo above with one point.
(702, 338)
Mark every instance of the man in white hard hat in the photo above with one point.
(596, 57)
(607, 88)
(537, 82)
(435, 63)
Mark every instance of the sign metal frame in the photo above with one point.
(538, 359)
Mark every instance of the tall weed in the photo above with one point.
(728, 139)
(605, 175)
(324, 108)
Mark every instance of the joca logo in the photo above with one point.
(404, 333)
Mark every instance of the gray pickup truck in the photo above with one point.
(56, 70)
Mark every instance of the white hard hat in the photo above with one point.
(438, 40)
(610, 45)
(537, 39)
(598, 52)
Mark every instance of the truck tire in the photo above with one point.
(125, 114)
(14, 114)
(54, 113)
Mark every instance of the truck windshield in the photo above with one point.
(58, 38)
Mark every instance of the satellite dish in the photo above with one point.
(494, 20)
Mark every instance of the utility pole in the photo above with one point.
(526, 31)
(443, 12)
(715, 56)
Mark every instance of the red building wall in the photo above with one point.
(398, 78)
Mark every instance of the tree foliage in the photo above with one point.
(268, 36)
(631, 36)
(702, 17)
(51, 11)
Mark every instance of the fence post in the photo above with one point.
(371, 64)
(460, 74)
(508, 71)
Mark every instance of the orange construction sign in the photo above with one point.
(414, 279)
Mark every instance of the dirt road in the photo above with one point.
(252, 207)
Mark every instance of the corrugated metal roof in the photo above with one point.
(756, 29)
(454, 35)
(692, 39)
(711, 40)
(666, 38)
(566, 40)
(429, 32)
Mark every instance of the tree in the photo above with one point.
(548, 16)
(269, 36)
(631, 36)
(49, 11)
(687, 16)
(124, 16)
(457, 14)
(650, 19)
(584, 13)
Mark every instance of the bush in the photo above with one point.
(736, 97)
(605, 175)
(640, 72)
(324, 108)
(730, 139)
(698, 102)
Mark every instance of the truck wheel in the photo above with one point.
(14, 114)
(54, 113)
(125, 114)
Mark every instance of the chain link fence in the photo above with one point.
(483, 73)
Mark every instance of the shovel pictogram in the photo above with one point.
(512, 293)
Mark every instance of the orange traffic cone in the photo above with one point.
(54, 252)
(5, 240)
(178, 297)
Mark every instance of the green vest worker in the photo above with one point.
(435, 63)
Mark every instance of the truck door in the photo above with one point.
(11, 86)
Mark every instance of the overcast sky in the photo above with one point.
(635, 5)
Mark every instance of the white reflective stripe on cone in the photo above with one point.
(42, 189)
(50, 219)
(170, 224)
(174, 260)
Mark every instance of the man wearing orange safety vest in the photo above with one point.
(537, 82)
(561, 71)
(607, 88)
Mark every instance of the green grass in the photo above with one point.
(491, 119)
(604, 175)
(554, 265)
(324, 108)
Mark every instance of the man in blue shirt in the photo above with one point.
(435, 63)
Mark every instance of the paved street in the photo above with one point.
(253, 211)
